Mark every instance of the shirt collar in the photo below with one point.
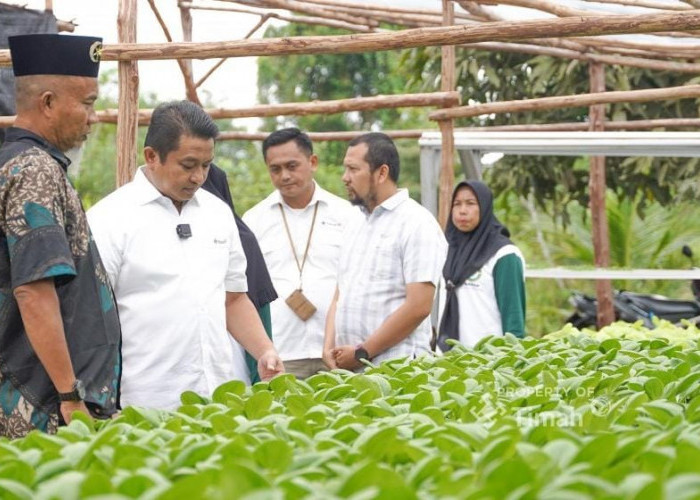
(146, 192)
(394, 200)
(320, 195)
(16, 134)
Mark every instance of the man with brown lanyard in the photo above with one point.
(59, 330)
(300, 227)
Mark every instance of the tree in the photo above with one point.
(555, 182)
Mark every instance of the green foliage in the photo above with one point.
(578, 414)
(555, 182)
(652, 239)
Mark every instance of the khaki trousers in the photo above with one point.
(304, 368)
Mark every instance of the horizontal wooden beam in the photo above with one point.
(432, 99)
(320, 136)
(420, 37)
(610, 59)
(692, 123)
(568, 101)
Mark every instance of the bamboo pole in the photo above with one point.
(447, 83)
(127, 126)
(568, 101)
(597, 189)
(185, 67)
(438, 99)
(635, 62)
(420, 37)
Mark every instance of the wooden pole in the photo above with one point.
(314, 21)
(370, 8)
(263, 19)
(320, 136)
(405, 19)
(447, 174)
(127, 125)
(439, 99)
(597, 190)
(48, 5)
(186, 65)
(293, 5)
(567, 101)
(109, 116)
(613, 60)
(645, 3)
(420, 37)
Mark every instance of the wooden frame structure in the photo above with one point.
(570, 33)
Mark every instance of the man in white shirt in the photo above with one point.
(300, 227)
(174, 258)
(389, 266)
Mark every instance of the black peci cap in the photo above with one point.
(50, 54)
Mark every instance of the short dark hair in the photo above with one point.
(381, 150)
(284, 135)
(173, 119)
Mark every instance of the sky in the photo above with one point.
(233, 85)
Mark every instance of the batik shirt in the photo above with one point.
(44, 234)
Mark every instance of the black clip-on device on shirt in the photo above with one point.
(183, 231)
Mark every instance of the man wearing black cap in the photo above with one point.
(59, 329)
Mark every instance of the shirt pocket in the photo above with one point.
(215, 254)
(386, 260)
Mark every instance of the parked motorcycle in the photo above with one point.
(631, 306)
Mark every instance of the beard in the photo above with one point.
(367, 201)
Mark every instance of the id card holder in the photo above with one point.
(301, 306)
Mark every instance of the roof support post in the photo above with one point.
(127, 123)
(447, 174)
(597, 189)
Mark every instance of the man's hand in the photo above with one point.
(68, 407)
(329, 359)
(344, 356)
(270, 364)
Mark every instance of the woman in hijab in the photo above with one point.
(483, 274)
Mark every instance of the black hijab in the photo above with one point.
(260, 288)
(467, 253)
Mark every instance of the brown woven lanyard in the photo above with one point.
(300, 265)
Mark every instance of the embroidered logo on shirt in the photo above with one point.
(331, 223)
(220, 242)
(473, 280)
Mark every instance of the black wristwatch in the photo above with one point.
(361, 353)
(76, 394)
